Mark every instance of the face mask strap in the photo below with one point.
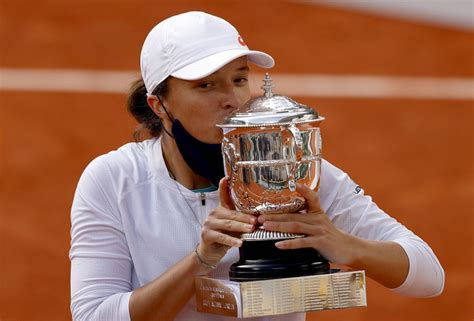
(169, 117)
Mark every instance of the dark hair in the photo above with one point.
(137, 106)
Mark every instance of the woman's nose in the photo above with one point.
(230, 100)
(233, 98)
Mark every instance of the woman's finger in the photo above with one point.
(212, 236)
(298, 217)
(226, 214)
(224, 194)
(297, 243)
(229, 225)
(288, 227)
(311, 197)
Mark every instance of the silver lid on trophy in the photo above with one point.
(270, 109)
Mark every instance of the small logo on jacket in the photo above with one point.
(357, 189)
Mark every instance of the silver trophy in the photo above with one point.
(269, 146)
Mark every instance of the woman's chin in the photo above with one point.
(216, 138)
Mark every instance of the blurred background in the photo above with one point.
(394, 80)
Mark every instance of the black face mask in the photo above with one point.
(204, 159)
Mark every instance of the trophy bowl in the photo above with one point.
(269, 146)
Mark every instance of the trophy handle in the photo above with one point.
(298, 139)
(231, 154)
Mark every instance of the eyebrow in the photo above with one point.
(244, 68)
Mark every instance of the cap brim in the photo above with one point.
(210, 64)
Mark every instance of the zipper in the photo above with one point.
(202, 196)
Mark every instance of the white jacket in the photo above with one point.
(130, 224)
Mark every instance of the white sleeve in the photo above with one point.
(101, 266)
(352, 211)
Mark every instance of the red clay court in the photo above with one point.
(412, 153)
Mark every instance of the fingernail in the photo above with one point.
(279, 245)
(238, 243)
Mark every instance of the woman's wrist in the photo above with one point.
(205, 266)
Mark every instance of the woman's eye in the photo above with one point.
(241, 80)
(205, 85)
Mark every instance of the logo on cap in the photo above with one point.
(241, 41)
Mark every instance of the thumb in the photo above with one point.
(224, 194)
(311, 197)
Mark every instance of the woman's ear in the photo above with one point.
(155, 105)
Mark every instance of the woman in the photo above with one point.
(148, 218)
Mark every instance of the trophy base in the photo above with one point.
(261, 260)
(335, 290)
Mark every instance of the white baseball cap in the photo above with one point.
(191, 46)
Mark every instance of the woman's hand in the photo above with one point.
(333, 243)
(222, 227)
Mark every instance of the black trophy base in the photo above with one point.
(261, 260)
